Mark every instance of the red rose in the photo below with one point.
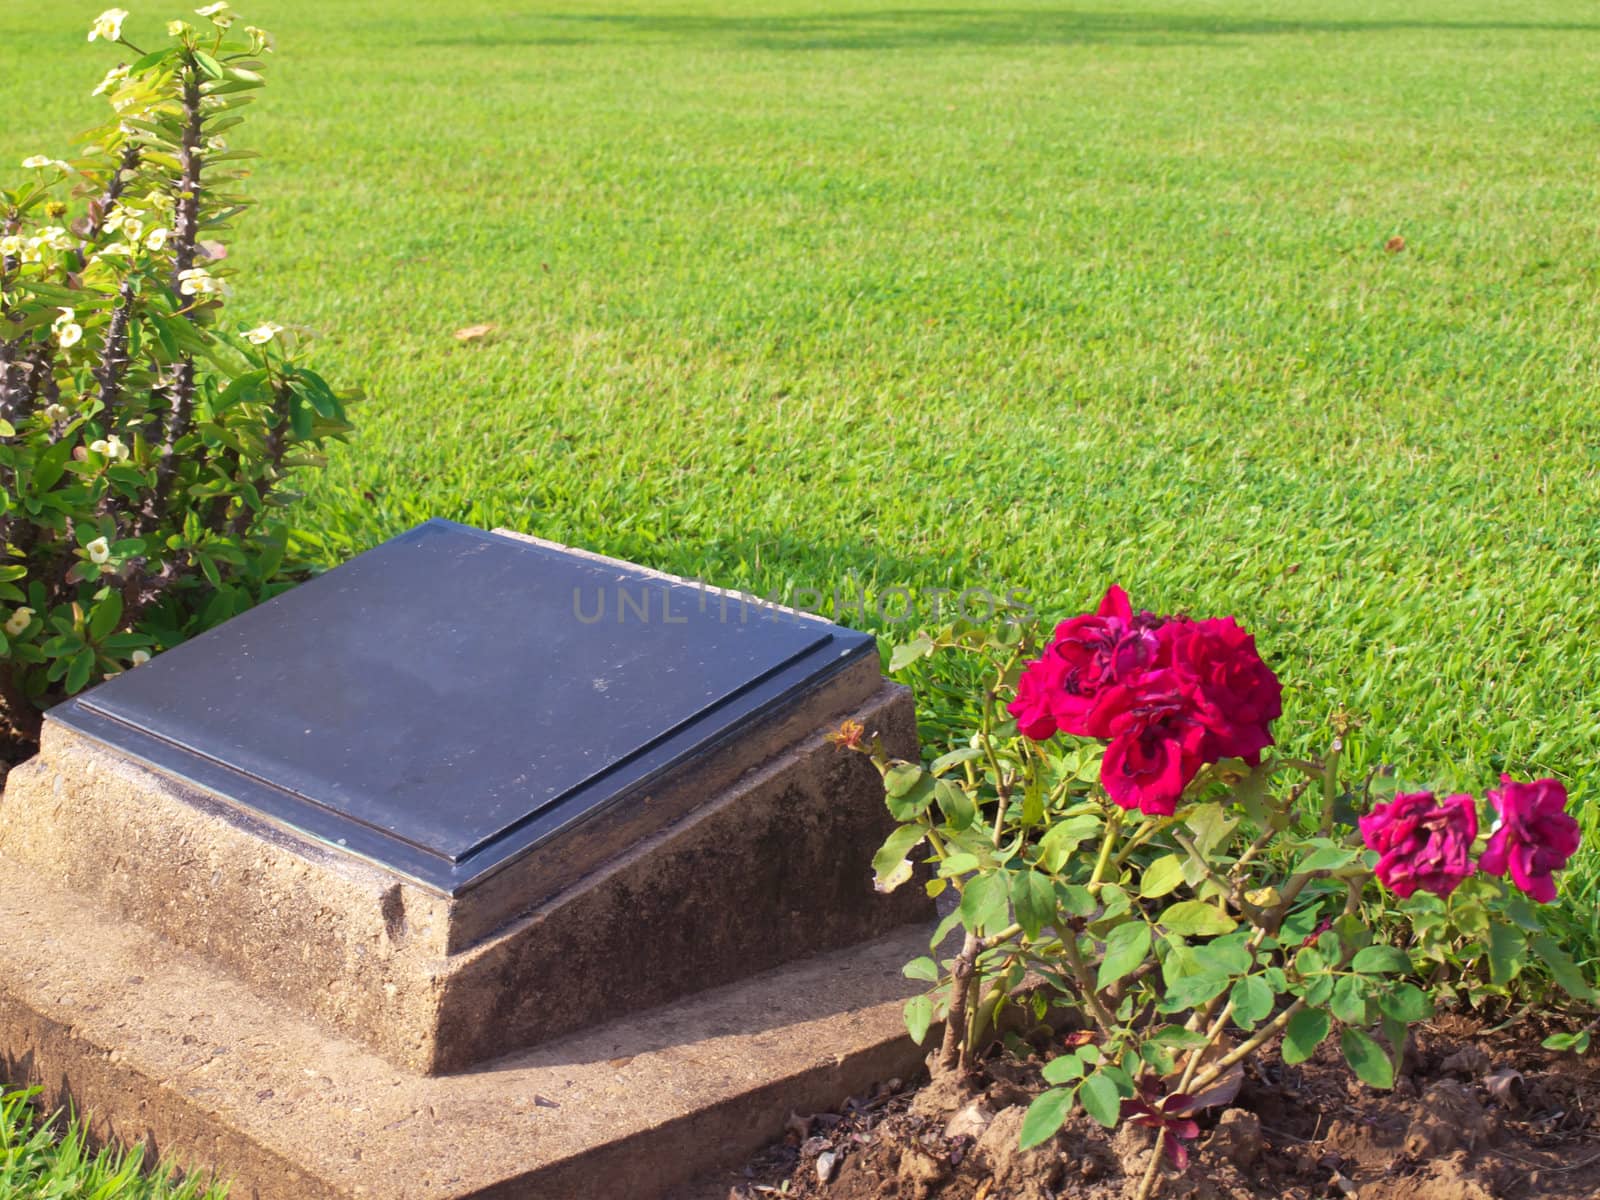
(1155, 752)
(1535, 835)
(1233, 694)
(1100, 655)
(1422, 843)
(1034, 706)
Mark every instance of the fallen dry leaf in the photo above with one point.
(1395, 244)
(472, 333)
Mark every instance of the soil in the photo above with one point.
(1475, 1116)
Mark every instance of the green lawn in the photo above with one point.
(1032, 296)
(1020, 295)
(1024, 295)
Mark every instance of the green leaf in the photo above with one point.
(1304, 1034)
(1193, 990)
(1045, 1115)
(1065, 1069)
(1325, 858)
(1196, 918)
(1562, 969)
(1161, 877)
(106, 615)
(896, 847)
(1034, 897)
(1127, 946)
(1229, 955)
(914, 801)
(80, 670)
(1350, 1000)
(1381, 960)
(904, 655)
(955, 758)
(923, 968)
(1366, 1058)
(919, 1015)
(1253, 1001)
(958, 808)
(1508, 951)
(1064, 837)
(1100, 1099)
(984, 906)
(208, 64)
(1076, 899)
(901, 777)
(1576, 1042)
(1405, 1002)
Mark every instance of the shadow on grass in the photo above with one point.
(913, 28)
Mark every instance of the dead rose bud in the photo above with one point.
(848, 736)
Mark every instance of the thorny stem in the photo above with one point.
(186, 232)
(955, 1048)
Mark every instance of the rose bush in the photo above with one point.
(1118, 824)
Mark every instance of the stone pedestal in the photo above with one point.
(423, 879)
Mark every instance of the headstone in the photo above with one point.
(469, 791)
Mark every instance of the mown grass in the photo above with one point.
(1036, 294)
(1033, 295)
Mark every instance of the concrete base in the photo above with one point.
(161, 1049)
(766, 859)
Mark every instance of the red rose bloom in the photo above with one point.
(1232, 692)
(1535, 836)
(1155, 751)
(1083, 674)
(1422, 843)
(1033, 706)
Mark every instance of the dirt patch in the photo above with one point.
(1474, 1116)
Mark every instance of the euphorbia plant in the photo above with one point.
(143, 442)
(1124, 838)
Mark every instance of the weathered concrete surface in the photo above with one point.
(768, 863)
(161, 1048)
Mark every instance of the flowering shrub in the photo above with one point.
(143, 442)
(1121, 835)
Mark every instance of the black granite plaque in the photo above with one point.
(453, 699)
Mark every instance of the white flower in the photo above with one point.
(178, 28)
(54, 412)
(36, 162)
(160, 201)
(218, 13)
(111, 447)
(108, 24)
(99, 550)
(19, 621)
(262, 334)
(132, 228)
(55, 237)
(267, 41)
(139, 657)
(114, 219)
(197, 281)
(157, 238)
(33, 252)
(113, 77)
(115, 248)
(11, 245)
(216, 144)
(67, 330)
